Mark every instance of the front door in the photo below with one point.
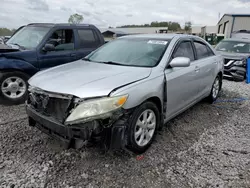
(182, 83)
(63, 41)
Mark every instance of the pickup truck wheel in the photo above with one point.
(215, 89)
(142, 127)
(13, 87)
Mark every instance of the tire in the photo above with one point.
(216, 87)
(13, 82)
(134, 143)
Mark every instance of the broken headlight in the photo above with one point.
(95, 108)
(239, 63)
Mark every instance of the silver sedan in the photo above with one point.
(125, 91)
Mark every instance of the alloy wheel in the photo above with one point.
(216, 88)
(145, 127)
(13, 87)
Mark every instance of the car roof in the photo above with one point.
(59, 24)
(160, 36)
(237, 40)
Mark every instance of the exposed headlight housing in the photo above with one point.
(95, 108)
(239, 63)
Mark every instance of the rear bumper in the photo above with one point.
(235, 73)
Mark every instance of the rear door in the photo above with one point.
(182, 83)
(207, 63)
(64, 42)
(87, 41)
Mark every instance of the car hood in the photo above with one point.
(235, 56)
(85, 79)
(5, 48)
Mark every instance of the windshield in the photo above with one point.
(233, 46)
(131, 52)
(28, 37)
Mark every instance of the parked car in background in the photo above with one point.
(124, 91)
(40, 46)
(236, 51)
(6, 38)
(1, 40)
(243, 34)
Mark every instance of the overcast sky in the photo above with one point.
(103, 13)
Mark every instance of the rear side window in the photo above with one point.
(184, 50)
(87, 38)
(202, 50)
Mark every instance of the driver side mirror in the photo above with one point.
(180, 62)
(48, 47)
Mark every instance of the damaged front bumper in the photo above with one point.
(235, 69)
(112, 132)
(236, 73)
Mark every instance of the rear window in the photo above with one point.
(202, 50)
(87, 38)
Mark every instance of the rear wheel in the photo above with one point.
(215, 89)
(13, 87)
(142, 127)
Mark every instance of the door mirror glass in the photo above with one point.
(49, 47)
(180, 62)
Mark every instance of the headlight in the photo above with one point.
(239, 63)
(96, 107)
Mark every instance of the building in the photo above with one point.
(196, 30)
(208, 30)
(111, 32)
(233, 22)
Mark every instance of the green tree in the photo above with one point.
(75, 18)
(6, 32)
(172, 26)
(188, 26)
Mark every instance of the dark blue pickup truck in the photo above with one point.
(40, 46)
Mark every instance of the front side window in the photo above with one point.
(202, 50)
(62, 40)
(87, 38)
(233, 46)
(28, 37)
(184, 50)
(143, 52)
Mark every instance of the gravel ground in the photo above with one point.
(207, 146)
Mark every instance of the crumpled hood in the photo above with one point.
(5, 48)
(87, 79)
(234, 56)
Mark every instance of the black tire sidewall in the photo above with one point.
(7, 100)
(132, 145)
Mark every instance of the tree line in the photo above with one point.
(77, 18)
(173, 26)
(6, 31)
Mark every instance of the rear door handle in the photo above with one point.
(72, 55)
(197, 69)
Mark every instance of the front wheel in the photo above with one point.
(13, 87)
(142, 127)
(215, 89)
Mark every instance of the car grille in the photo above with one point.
(49, 106)
(226, 61)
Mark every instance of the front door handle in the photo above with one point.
(72, 55)
(197, 69)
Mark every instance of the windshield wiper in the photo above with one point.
(86, 59)
(113, 63)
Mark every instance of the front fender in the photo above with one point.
(17, 64)
(142, 91)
